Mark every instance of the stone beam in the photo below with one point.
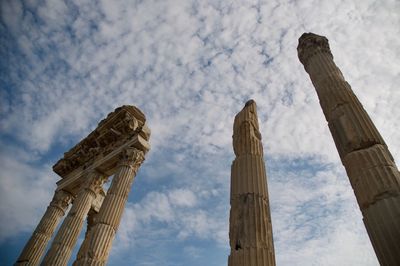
(107, 165)
(99, 151)
(119, 126)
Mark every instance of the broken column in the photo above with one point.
(370, 167)
(250, 228)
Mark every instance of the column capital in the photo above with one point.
(131, 157)
(94, 181)
(310, 44)
(61, 200)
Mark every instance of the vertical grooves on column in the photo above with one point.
(248, 175)
(107, 220)
(66, 238)
(251, 257)
(36, 245)
(249, 216)
(383, 223)
(100, 243)
(372, 173)
(116, 198)
(369, 164)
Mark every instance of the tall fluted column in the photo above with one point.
(369, 165)
(250, 229)
(35, 247)
(107, 220)
(65, 240)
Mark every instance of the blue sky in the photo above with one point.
(190, 66)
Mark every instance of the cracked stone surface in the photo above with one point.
(370, 167)
(250, 228)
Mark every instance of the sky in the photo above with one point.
(190, 66)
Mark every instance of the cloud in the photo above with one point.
(25, 192)
(190, 66)
(316, 218)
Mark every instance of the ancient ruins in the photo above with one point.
(369, 165)
(116, 147)
(250, 228)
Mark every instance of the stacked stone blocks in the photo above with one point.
(250, 230)
(369, 165)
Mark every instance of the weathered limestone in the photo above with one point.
(107, 221)
(36, 245)
(85, 244)
(65, 240)
(117, 146)
(250, 230)
(369, 165)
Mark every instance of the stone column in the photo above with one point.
(250, 227)
(107, 220)
(369, 165)
(65, 240)
(35, 247)
(85, 244)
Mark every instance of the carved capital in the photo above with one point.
(94, 182)
(132, 157)
(310, 44)
(61, 199)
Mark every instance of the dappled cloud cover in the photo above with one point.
(190, 66)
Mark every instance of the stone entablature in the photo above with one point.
(100, 150)
(119, 126)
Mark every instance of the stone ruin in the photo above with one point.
(116, 147)
(119, 143)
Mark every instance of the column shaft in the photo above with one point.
(107, 220)
(65, 240)
(369, 165)
(36, 245)
(250, 228)
(85, 244)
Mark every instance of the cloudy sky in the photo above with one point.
(190, 66)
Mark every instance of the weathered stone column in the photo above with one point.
(250, 228)
(370, 166)
(107, 220)
(35, 247)
(65, 240)
(85, 244)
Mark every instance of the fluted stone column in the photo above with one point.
(107, 220)
(85, 244)
(65, 240)
(250, 228)
(35, 247)
(369, 165)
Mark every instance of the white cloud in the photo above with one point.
(190, 66)
(316, 219)
(25, 192)
(182, 197)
